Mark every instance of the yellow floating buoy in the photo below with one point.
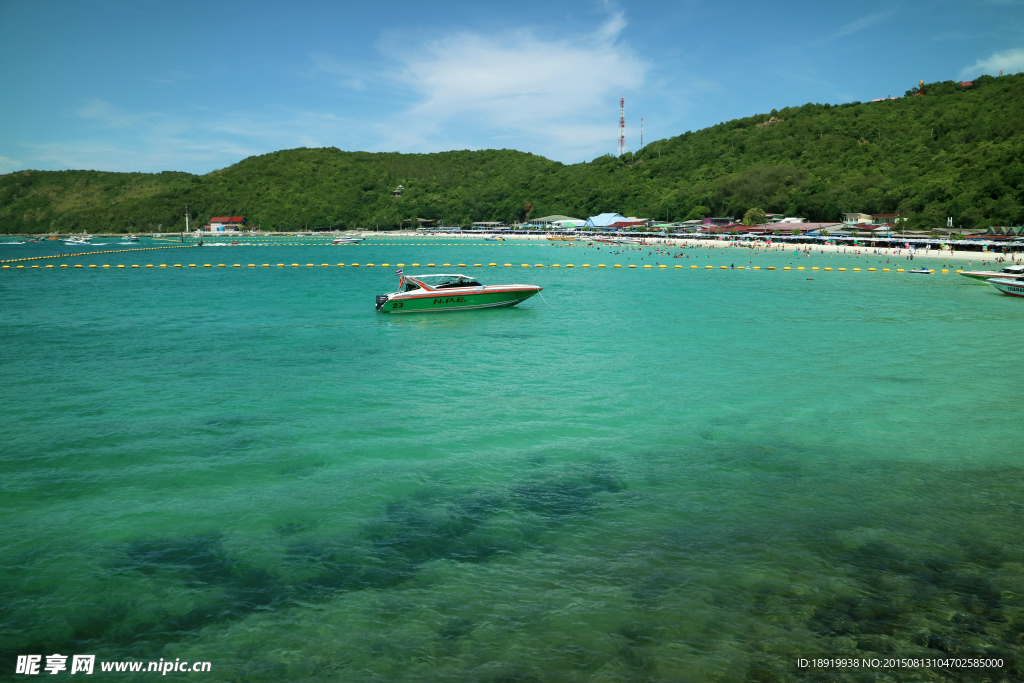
(757, 267)
(632, 266)
(570, 266)
(586, 265)
(369, 265)
(870, 269)
(525, 265)
(490, 264)
(176, 265)
(600, 265)
(134, 266)
(149, 265)
(724, 267)
(50, 266)
(693, 266)
(385, 265)
(709, 267)
(840, 268)
(787, 268)
(814, 268)
(944, 270)
(800, 268)
(355, 265)
(617, 266)
(647, 266)
(771, 267)
(899, 270)
(538, 265)
(828, 269)
(103, 266)
(678, 266)
(857, 269)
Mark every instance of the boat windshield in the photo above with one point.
(448, 281)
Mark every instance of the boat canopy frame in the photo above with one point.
(424, 281)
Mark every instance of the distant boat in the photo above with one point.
(563, 238)
(494, 238)
(83, 241)
(347, 240)
(133, 238)
(921, 271)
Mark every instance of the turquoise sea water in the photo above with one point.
(663, 475)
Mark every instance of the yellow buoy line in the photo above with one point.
(434, 265)
(93, 253)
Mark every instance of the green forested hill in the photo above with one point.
(951, 151)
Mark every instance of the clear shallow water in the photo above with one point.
(665, 475)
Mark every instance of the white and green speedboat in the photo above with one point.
(427, 293)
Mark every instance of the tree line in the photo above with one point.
(941, 151)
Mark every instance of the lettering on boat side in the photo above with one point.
(458, 300)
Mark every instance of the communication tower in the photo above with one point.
(622, 126)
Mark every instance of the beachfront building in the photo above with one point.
(718, 221)
(556, 222)
(225, 224)
(887, 218)
(857, 218)
(614, 221)
(868, 219)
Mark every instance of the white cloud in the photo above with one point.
(9, 165)
(555, 95)
(862, 23)
(1009, 61)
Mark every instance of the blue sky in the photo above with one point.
(143, 85)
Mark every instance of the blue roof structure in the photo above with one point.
(604, 220)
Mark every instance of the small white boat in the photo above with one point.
(133, 238)
(1008, 286)
(347, 240)
(83, 241)
(921, 271)
(494, 238)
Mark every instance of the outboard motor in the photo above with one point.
(381, 300)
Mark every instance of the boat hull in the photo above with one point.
(464, 300)
(1008, 287)
(984, 275)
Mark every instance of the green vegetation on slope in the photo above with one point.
(952, 151)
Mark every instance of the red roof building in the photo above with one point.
(223, 223)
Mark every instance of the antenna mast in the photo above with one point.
(622, 126)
